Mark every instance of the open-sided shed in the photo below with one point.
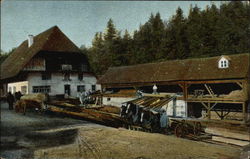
(219, 84)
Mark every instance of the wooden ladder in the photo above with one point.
(210, 91)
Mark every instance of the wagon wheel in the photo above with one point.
(179, 130)
(197, 128)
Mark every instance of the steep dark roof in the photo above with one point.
(178, 70)
(53, 40)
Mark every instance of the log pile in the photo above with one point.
(99, 115)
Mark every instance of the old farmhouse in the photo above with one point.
(217, 85)
(48, 63)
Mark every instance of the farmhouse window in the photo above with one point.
(23, 89)
(81, 88)
(93, 88)
(41, 89)
(66, 77)
(80, 76)
(46, 76)
(84, 67)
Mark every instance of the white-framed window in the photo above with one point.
(223, 63)
(41, 89)
(81, 88)
(23, 89)
(46, 76)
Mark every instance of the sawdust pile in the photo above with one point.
(236, 94)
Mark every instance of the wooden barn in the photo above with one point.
(47, 63)
(218, 86)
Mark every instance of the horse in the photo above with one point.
(23, 105)
(35, 101)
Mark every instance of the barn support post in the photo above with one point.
(102, 90)
(245, 87)
(184, 87)
(209, 110)
(244, 114)
(208, 107)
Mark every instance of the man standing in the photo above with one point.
(10, 100)
(164, 120)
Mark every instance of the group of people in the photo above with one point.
(11, 99)
(136, 115)
(84, 97)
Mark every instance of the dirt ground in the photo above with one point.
(43, 136)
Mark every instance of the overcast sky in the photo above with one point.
(80, 20)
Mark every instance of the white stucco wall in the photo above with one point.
(57, 83)
(180, 108)
(116, 101)
(16, 86)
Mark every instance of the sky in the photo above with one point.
(80, 20)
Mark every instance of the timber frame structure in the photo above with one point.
(194, 77)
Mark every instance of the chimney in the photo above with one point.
(30, 40)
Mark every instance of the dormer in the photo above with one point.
(223, 62)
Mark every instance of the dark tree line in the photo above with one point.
(209, 32)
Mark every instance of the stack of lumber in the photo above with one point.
(92, 114)
(240, 138)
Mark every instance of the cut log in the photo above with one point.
(228, 133)
(230, 141)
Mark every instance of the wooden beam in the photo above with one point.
(139, 84)
(214, 81)
(230, 141)
(214, 105)
(218, 99)
(211, 101)
(205, 105)
(228, 133)
(181, 85)
(209, 111)
(240, 84)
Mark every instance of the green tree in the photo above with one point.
(148, 40)
(177, 37)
